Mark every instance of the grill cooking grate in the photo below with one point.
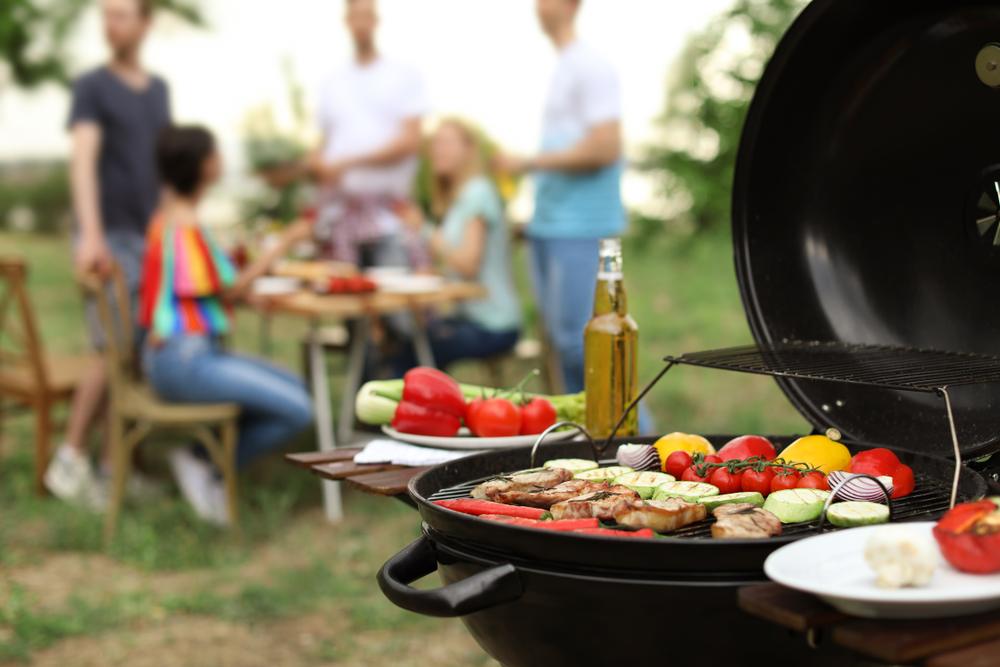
(901, 368)
(927, 502)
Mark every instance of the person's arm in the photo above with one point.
(92, 252)
(402, 146)
(466, 258)
(601, 147)
(297, 232)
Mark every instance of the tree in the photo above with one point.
(708, 94)
(33, 32)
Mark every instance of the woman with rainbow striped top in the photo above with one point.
(188, 284)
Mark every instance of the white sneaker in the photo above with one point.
(71, 478)
(196, 479)
(138, 488)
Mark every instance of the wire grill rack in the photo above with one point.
(887, 367)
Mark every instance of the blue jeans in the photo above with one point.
(565, 275)
(195, 369)
(454, 339)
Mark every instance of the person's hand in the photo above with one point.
(506, 163)
(327, 173)
(93, 255)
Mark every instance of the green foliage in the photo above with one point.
(33, 34)
(707, 99)
(43, 189)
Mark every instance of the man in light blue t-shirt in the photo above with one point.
(577, 184)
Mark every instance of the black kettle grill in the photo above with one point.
(866, 214)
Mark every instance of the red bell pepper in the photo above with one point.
(415, 418)
(477, 507)
(433, 389)
(969, 537)
(560, 525)
(610, 532)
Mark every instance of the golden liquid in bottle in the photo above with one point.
(610, 351)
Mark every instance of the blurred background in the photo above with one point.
(294, 590)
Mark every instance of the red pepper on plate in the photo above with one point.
(969, 537)
(432, 404)
(477, 507)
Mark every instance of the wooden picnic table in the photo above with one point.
(964, 641)
(381, 479)
(361, 310)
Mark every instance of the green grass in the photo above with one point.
(682, 293)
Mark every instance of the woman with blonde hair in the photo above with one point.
(470, 243)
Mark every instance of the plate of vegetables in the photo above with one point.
(908, 570)
(429, 408)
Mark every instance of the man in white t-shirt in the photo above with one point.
(577, 184)
(370, 112)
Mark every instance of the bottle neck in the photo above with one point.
(609, 296)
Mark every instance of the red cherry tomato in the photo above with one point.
(902, 481)
(497, 418)
(784, 480)
(471, 412)
(712, 458)
(536, 416)
(689, 475)
(725, 481)
(677, 463)
(757, 481)
(880, 460)
(747, 446)
(813, 480)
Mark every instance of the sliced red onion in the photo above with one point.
(859, 487)
(638, 457)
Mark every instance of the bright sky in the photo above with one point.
(483, 59)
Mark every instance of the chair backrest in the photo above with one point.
(20, 341)
(111, 299)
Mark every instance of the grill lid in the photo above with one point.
(866, 206)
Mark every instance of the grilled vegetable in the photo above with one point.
(643, 483)
(561, 526)
(690, 491)
(796, 505)
(676, 463)
(573, 465)
(747, 446)
(751, 498)
(610, 532)
(969, 537)
(638, 457)
(603, 474)
(478, 507)
(854, 513)
(860, 488)
(726, 481)
(818, 451)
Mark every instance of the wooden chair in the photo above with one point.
(135, 411)
(29, 377)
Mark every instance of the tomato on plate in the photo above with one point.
(536, 416)
(757, 481)
(497, 418)
(472, 411)
(784, 479)
(677, 463)
(725, 481)
(813, 480)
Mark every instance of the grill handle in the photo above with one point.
(495, 586)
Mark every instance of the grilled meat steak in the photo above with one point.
(546, 498)
(524, 482)
(604, 504)
(661, 515)
(744, 521)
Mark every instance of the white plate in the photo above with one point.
(833, 567)
(409, 283)
(469, 442)
(275, 285)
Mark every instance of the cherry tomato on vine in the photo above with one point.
(536, 416)
(757, 481)
(783, 479)
(497, 418)
(677, 463)
(725, 481)
(689, 475)
(813, 480)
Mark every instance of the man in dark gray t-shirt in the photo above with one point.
(117, 113)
